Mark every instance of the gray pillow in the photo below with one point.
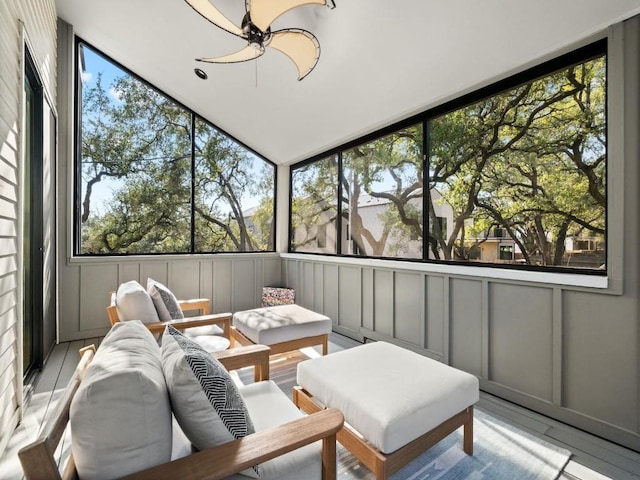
(205, 400)
(134, 303)
(164, 300)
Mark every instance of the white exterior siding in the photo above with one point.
(33, 21)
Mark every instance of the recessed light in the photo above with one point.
(200, 73)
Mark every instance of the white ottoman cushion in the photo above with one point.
(389, 394)
(282, 323)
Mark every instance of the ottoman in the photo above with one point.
(397, 403)
(283, 328)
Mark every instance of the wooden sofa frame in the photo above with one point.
(39, 462)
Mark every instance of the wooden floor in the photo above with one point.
(592, 459)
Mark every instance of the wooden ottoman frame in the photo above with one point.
(384, 465)
(283, 347)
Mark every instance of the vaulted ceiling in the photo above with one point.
(381, 60)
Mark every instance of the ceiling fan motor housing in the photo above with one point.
(254, 35)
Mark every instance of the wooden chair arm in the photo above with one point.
(225, 460)
(201, 304)
(222, 319)
(256, 355)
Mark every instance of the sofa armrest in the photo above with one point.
(240, 357)
(224, 460)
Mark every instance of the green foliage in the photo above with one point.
(531, 160)
(139, 143)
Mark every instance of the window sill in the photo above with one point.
(603, 284)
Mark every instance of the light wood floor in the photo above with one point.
(592, 459)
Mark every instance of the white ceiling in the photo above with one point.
(381, 60)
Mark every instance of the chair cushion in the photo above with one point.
(164, 301)
(204, 330)
(134, 303)
(206, 402)
(270, 407)
(120, 416)
(282, 323)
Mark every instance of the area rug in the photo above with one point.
(501, 451)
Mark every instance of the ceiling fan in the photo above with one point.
(301, 46)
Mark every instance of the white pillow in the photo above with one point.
(165, 302)
(206, 401)
(134, 303)
(120, 416)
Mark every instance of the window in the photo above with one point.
(314, 207)
(382, 196)
(154, 178)
(528, 163)
(515, 175)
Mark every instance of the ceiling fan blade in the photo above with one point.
(264, 12)
(300, 46)
(211, 13)
(247, 53)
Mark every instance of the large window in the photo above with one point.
(152, 177)
(515, 175)
(382, 196)
(314, 213)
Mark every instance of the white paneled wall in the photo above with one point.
(33, 21)
(571, 355)
(232, 281)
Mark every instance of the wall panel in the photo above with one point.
(407, 308)
(222, 293)
(383, 304)
(465, 335)
(93, 302)
(601, 358)
(435, 315)
(349, 298)
(330, 289)
(368, 298)
(521, 340)
(318, 290)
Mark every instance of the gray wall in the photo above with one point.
(553, 343)
(35, 22)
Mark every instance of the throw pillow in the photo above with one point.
(164, 300)
(205, 399)
(134, 303)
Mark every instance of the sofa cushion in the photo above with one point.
(164, 301)
(206, 402)
(270, 407)
(120, 416)
(134, 303)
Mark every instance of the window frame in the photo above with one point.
(77, 165)
(593, 50)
